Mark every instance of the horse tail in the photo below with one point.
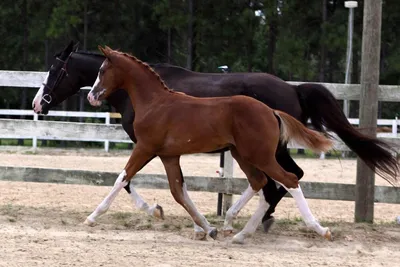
(322, 108)
(293, 129)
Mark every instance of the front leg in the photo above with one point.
(138, 159)
(155, 210)
(179, 192)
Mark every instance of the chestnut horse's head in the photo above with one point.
(109, 78)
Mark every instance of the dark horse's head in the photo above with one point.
(56, 78)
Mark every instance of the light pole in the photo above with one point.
(350, 5)
(224, 69)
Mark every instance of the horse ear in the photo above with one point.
(105, 52)
(102, 50)
(69, 46)
(108, 49)
(76, 46)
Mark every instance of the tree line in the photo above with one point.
(294, 40)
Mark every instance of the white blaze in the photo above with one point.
(37, 107)
(90, 96)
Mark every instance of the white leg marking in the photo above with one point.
(197, 228)
(254, 221)
(236, 207)
(140, 203)
(37, 107)
(106, 203)
(305, 211)
(188, 203)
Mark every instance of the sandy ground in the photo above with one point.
(41, 223)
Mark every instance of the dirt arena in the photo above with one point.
(42, 223)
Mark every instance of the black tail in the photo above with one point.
(322, 108)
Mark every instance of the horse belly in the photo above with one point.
(202, 133)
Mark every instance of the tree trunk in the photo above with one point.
(273, 37)
(190, 46)
(85, 37)
(85, 24)
(322, 62)
(169, 46)
(25, 47)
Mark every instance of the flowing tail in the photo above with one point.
(293, 129)
(322, 108)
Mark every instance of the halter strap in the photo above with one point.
(47, 97)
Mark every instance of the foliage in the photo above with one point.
(283, 36)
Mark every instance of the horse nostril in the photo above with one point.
(33, 105)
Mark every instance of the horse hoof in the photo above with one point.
(159, 212)
(268, 223)
(238, 239)
(227, 232)
(89, 223)
(328, 235)
(200, 236)
(213, 233)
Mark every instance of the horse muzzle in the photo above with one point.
(93, 98)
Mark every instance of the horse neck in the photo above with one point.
(143, 86)
(87, 66)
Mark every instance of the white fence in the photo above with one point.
(34, 79)
(69, 114)
(36, 129)
(393, 124)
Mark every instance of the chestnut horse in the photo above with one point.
(74, 69)
(169, 124)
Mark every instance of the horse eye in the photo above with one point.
(101, 71)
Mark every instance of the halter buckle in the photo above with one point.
(47, 98)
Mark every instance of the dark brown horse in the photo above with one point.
(305, 102)
(169, 124)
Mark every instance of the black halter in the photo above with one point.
(63, 73)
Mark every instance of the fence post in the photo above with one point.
(370, 60)
(394, 127)
(221, 174)
(34, 139)
(107, 143)
(228, 173)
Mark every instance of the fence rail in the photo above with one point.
(71, 114)
(34, 79)
(105, 132)
(312, 190)
(58, 130)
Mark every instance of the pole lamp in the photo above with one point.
(224, 69)
(351, 5)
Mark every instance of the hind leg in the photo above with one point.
(306, 214)
(256, 177)
(273, 169)
(273, 192)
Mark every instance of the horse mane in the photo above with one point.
(146, 65)
(148, 68)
